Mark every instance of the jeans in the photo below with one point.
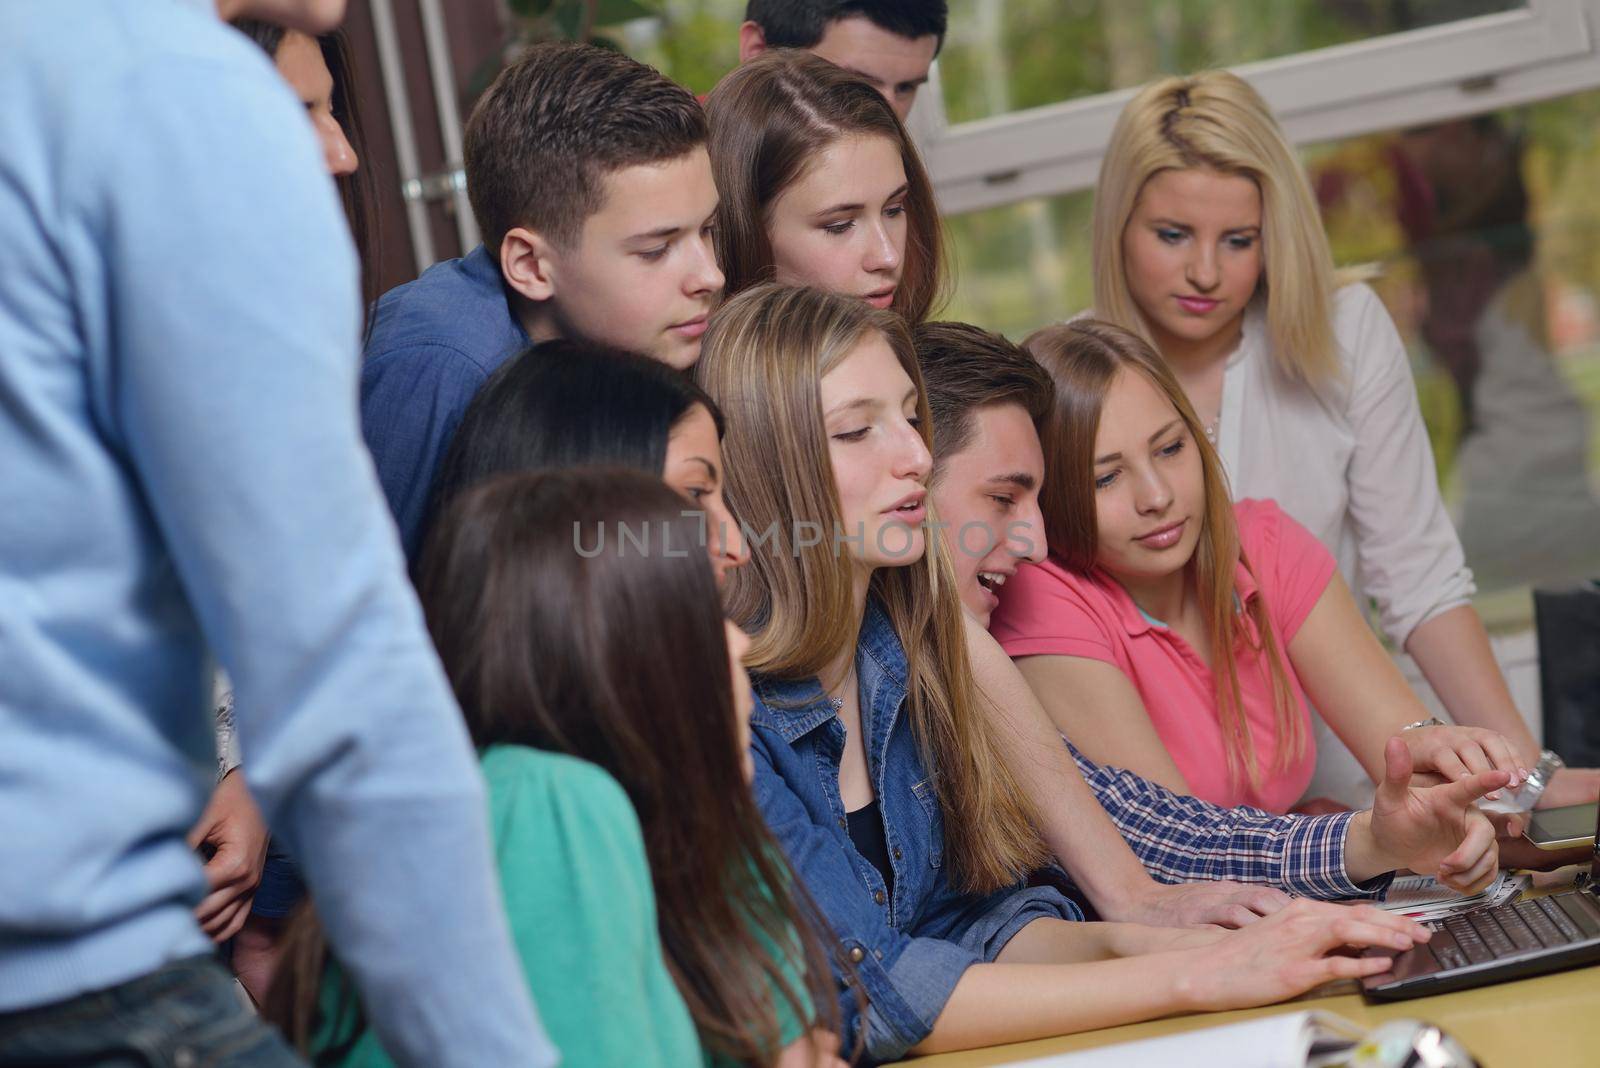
(185, 1015)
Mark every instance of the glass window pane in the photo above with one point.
(694, 42)
(1486, 232)
(1006, 55)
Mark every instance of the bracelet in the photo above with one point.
(1431, 721)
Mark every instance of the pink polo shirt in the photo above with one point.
(1046, 610)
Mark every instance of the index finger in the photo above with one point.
(1465, 791)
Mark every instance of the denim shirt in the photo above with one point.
(908, 949)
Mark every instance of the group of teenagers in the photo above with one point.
(842, 683)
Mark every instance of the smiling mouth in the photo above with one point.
(992, 581)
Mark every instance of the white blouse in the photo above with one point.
(1349, 460)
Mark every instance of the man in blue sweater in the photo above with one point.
(183, 476)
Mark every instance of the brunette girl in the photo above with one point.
(654, 914)
(569, 403)
(821, 185)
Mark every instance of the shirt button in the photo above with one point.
(843, 826)
(897, 853)
(856, 955)
(877, 895)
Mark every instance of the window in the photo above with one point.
(1370, 67)
(1020, 54)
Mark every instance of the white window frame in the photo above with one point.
(1404, 79)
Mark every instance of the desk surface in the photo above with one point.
(1550, 1019)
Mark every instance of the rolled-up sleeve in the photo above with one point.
(907, 980)
(1410, 557)
(1183, 839)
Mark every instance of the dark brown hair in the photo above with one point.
(568, 403)
(355, 190)
(557, 121)
(619, 657)
(965, 368)
(1083, 358)
(801, 23)
(770, 119)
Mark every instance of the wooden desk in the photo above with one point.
(1547, 1020)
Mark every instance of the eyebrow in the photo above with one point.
(865, 403)
(1108, 457)
(905, 187)
(656, 234)
(1020, 479)
(711, 468)
(1176, 225)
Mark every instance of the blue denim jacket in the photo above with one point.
(908, 950)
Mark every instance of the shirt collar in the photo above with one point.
(1133, 618)
(793, 708)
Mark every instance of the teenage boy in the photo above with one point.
(987, 398)
(184, 476)
(890, 43)
(590, 183)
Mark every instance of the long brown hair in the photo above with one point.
(356, 191)
(771, 119)
(620, 658)
(763, 360)
(1083, 358)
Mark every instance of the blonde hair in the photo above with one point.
(1083, 358)
(762, 361)
(1216, 121)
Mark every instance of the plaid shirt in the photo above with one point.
(1184, 839)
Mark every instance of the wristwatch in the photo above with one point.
(1539, 777)
(1524, 797)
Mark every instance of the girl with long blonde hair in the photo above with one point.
(874, 765)
(1208, 245)
(1170, 631)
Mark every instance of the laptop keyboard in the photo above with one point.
(1508, 930)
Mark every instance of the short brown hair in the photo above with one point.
(965, 368)
(557, 121)
(770, 119)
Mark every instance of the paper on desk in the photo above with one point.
(1289, 1040)
(1422, 897)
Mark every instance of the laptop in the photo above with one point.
(1491, 945)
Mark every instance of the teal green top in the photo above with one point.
(790, 1027)
(583, 916)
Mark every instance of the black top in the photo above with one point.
(866, 834)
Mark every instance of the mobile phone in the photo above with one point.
(1562, 828)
